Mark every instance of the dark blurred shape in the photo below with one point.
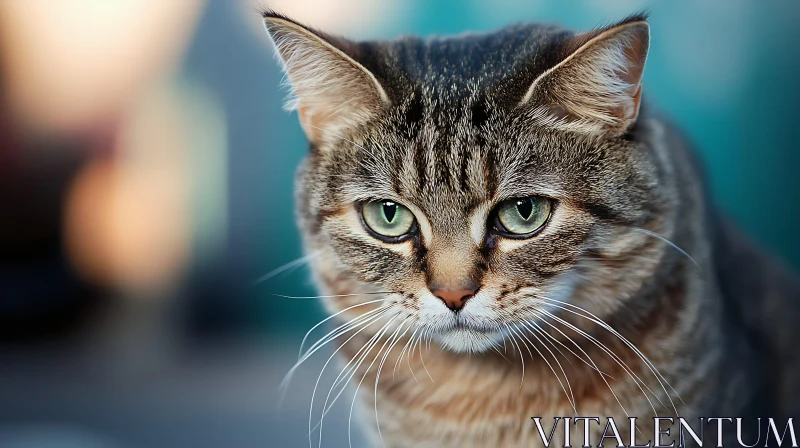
(41, 295)
(64, 95)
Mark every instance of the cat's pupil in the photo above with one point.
(389, 210)
(525, 208)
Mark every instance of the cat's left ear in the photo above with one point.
(596, 89)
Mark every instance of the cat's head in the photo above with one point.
(476, 181)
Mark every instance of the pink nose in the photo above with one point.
(454, 299)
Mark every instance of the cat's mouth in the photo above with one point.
(465, 338)
(465, 335)
(462, 325)
(462, 321)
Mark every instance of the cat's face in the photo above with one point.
(472, 204)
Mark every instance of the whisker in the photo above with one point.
(596, 342)
(571, 395)
(512, 330)
(618, 259)
(333, 334)
(348, 326)
(408, 361)
(521, 356)
(403, 351)
(638, 381)
(316, 384)
(360, 176)
(300, 261)
(611, 389)
(347, 373)
(380, 368)
(523, 339)
(422, 359)
(332, 296)
(308, 333)
(664, 239)
(630, 345)
(556, 341)
(358, 386)
(497, 350)
(326, 408)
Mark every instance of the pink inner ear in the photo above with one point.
(306, 123)
(637, 98)
(636, 53)
(560, 112)
(332, 92)
(597, 89)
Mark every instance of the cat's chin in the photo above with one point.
(467, 340)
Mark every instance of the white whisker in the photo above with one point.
(630, 345)
(571, 395)
(358, 386)
(314, 392)
(333, 334)
(344, 328)
(555, 340)
(403, 351)
(638, 381)
(332, 296)
(395, 339)
(662, 238)
(302, 260)
(308, 333)
(422, 359)
(521, 356)
(347, 373)
(611, 389)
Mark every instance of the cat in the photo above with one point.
(502, 213)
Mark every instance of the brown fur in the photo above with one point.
(454, 127)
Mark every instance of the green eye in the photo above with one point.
(522, 216)
(387, 218)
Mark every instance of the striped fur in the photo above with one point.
(625, 278)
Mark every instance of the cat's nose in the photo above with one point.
(454, 298)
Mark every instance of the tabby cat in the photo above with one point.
(504, 230)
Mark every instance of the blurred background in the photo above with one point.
(146, 218)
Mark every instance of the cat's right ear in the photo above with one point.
(331, 91)
(596, 89)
